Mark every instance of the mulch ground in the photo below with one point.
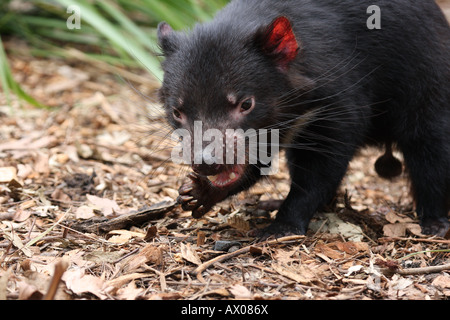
(87, 210)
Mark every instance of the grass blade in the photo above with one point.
(8, 83)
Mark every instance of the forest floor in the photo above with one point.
(69, 176)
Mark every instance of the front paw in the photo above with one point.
(199, 195)
(278, 230)
(438, 227)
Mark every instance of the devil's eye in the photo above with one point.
(247, 104)
(177, 114)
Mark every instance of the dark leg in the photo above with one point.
(428, 161)
(313, 186)
(315, 174)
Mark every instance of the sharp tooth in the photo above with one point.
(212, 178)
(232, 176)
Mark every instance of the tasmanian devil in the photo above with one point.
(329, 77)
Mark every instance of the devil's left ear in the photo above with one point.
(167, 38)
(278, 42)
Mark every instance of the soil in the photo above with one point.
(87, 209)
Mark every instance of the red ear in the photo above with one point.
(278, 41)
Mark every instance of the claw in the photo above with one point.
(193, 176)
(185, 198)
(189, 206)
(185, 190)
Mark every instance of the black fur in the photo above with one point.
(348, 87)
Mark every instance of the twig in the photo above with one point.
(390, 239)
(126, 255)
(415, 271)
(60, 268)
(162, 277)
(198, 271)
(89, 236)
(31, 229)
(97, 226)
(39, 237)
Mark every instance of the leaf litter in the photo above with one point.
(87, 211)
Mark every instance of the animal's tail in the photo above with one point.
(387, 166)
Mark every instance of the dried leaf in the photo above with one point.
(152, 232)
(79, 282)
(238, 222)
(41, 164)
(27, 204)
(59, 195)
(108, 207)
(101, 257)
(130, 292)
(29, 292)
(336, 225)
(7, 174)
(442, 281)
(172, 193)
(400, 229)
(400, 283)
(84, 212)
(31, 142)
(4, 277)
(256, 251)
(60, 267)
(353, 269)
(201, 236)
(150, 254)
(113, 285)
(392, 217)
(285, 257)
(351, 247)
(301, 274)
(21, 215)
(123, 236)
(17, 242)
(220, 292)
(189, 254)
(329, 252)
(166, 296)
(240, 292)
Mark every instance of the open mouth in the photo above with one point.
(227, 177)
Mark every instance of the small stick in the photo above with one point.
(198, 271)
(60, 268)
(415, 271)
(389, 239)
(156, 211)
